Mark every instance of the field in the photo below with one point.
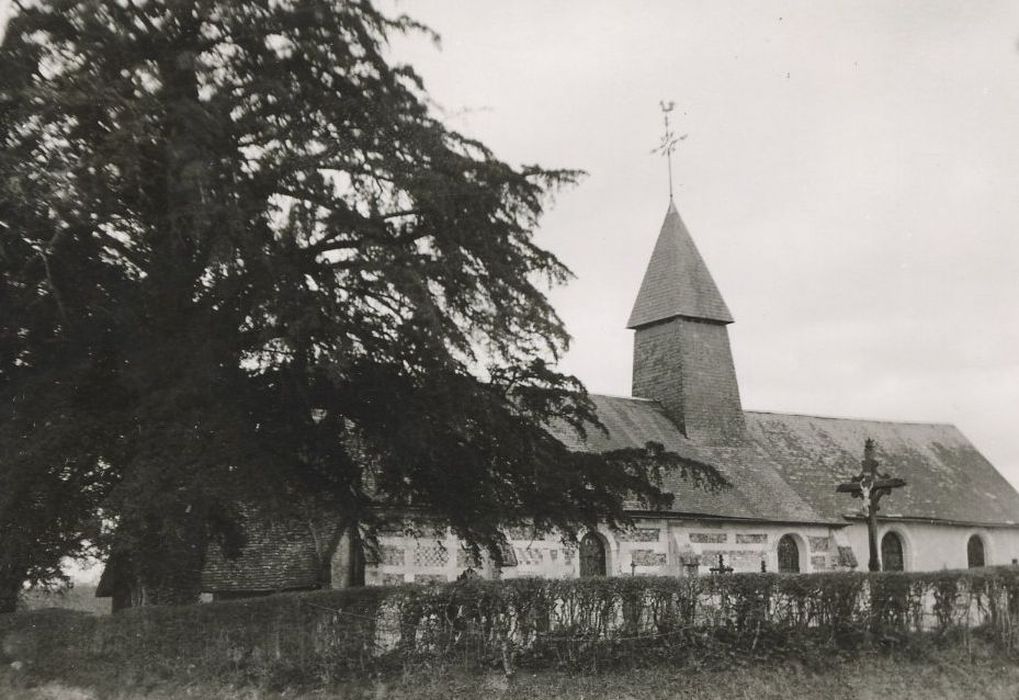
(81, 596)
(951, 675)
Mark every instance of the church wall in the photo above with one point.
(744, 546)
(682, 547)
(654, 547)
(928, 547)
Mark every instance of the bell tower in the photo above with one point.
(681, 353)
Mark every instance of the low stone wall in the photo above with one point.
(534, 623)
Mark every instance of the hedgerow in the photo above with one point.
(536, 623)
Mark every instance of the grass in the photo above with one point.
(80, 596)
(949, 674)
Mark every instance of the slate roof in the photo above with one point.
(278, 556)
(757, 491)
(789, 469)
(114, 566)
(677, 282)
(947, 478)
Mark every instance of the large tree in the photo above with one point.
(242, 260)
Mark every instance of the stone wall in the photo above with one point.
(678, 547)
(669, 547)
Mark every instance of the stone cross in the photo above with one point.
(870, 485)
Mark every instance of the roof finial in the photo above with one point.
(669, 140)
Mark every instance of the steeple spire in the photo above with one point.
(677, 282)
(681, 353)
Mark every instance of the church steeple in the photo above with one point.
(677, 282)
(681, 353)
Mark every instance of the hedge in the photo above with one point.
(534, 623)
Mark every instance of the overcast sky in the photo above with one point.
(851, 177)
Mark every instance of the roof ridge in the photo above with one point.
(620, 396)
(855, 419)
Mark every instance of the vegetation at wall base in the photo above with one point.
(950, 673)
(617, 625)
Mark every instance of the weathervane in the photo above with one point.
(669, 140)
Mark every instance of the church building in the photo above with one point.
(781, 513)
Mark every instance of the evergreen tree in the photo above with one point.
(240, 260)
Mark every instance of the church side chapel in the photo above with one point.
(782, 513)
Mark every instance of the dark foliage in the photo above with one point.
(234, 244)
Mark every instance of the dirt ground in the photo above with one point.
(861, 679)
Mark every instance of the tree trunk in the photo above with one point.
(168, 565)
(11, 583)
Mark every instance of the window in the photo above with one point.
(788, 555)
(891, 553)
(508, 554)
(592, 556)
(975, 552)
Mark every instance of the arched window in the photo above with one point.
(592, 556)
(788, 555)
(975, 552)
(891, 553)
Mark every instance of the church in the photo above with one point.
(781, 512)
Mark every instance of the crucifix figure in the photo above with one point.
(669, 140)
(870, 485)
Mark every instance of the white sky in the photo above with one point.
(851, 177)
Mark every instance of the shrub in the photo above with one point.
(535, 623)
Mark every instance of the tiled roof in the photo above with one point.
(946, 477)
(279, 555)
(677, 282)
(114, 567)
(757, 491)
